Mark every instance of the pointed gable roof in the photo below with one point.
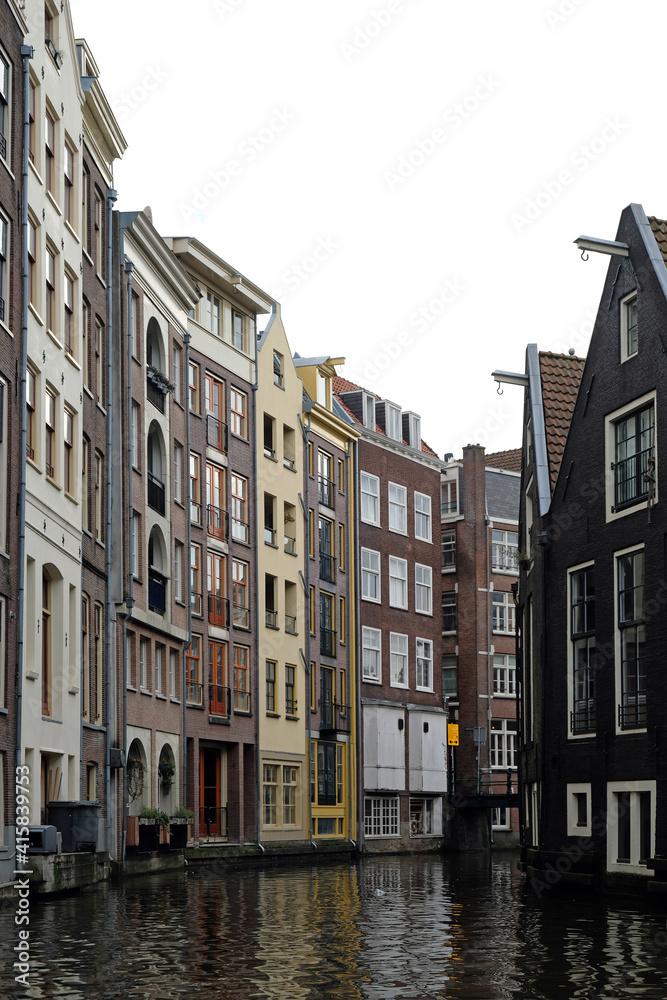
(561, 377)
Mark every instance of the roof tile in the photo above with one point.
(510, 461)
(341, 384)
(561, 377)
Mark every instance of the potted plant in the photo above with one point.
(160, 380)
(166, 770)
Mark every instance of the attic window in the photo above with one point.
(629, 327)
(412, 430)
(393, 418)
(322, 389)
(369, 410)
(278, 376)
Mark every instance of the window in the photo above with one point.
(178, 472)
(5, 105)
(69, 332)
(85, 513)
(69, 183)
(194, 686)
(370, 575)
(47, 645)
(290, 690)
(398, 508)
(85, 340)
(629, 327)
(99, 361)
(311, 610)
(134, 327)
(324, 468)
(159, 657)
(50, 294)
(504, 674)
(504, 551)
(32, 261)
(289, 795)
(341, 476)
(32, 142)
(448, 550)
(195, 488)
(271, 685)
(278, 373)
(214, 400)
(241, 682)
(342, 633)
(269, 794)
(195, 579)
(326, 547)
(136, 542)
(85, 202)
(398, 582)
(216, 586)
(381, 816)
(371, 653)
(143, 663)
(30, 406)
(634, 457)
(216, 520)
(582, 637)
(98, 496)
(213, 313)
(173, 670)
(504, 613)
(50, 419)
(449, 677)
(423, 589)
(632, 636)
(500, 818)
(370, 498)
(327, 623)
(448, 499)
(423, 517)
(449, 611)
(579, 810)
(393, 418)
(421, 817)
(398, 659)
(85, 698)
(237, 331)
(68, 460)
(239, 508)
(136, 425)
(241, 610)
(193, 386)
(341, 546)
(631, 824)
(4, 283)
(424, 665)
(502, 743)
(238, 405)
(219, 694)
(176, 370)
(49, 150)
(99, 264)
(178, 572)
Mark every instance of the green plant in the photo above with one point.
(160, 817)
(183, 812)
(166, 770)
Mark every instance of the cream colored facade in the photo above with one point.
(282, 625)
(51, 702)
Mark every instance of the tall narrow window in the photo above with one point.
(371, 641)
(195, 487)
(85, 698)
(85, 515)
(194, 688)
(32, 142)
(4, 284)
(398, 659)
(193, 386)
(290, 690)
(632, 709)
(30, 406)
(370, 575)
(178, 572)
(217, 675)
(423, 589)
(449, 611)
(144, 647)
(32, 261)
(398, 582)
(98, 496)
(69, 314)
(240, 610)
(213, 313)
(85, 208)
(85, 340)
(195, 579)
(68, 459)
(99, 361)
(241, 682)
(215, 412)
(176, 374)
(97, 662)
(270, 686)
(5, 128)
(423, 517)
(50, 419)
(99, 265)
(582, 634)
(634, 463)
(49, 150)
(237, 323)
(69, 184)
(239, 508)
(629, 327)
(238, 405)
(398, 504)
(178, 472)
(47, 646)
(424, 665)
(50, 292)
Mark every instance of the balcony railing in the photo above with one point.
(157, 593)
(290, 624)
(271, 619)
(241, 616)
(289, 463)
(327, 641)
(195, 512)
(239, 530)
(218, 610)
(216, 433)
(155, 493)
(279, 379)
(241, 700)
(217, 522)
(154, 394)
(448, 507)
(334, 716)
(195, 602)
(269, 536)
(325, 491)
(290, 706)
(290, 545)
(212, 821)
(632, 711)
(582, 719)
(505, 558)
(194, 692)
(220, 700)
(269, 452)
(327, 567)
(326, 715)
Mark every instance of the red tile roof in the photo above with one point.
(660, 232)
(561, 377)
(341, 384)
(510, 461)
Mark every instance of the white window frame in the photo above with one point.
(631, 550)
(503, 742)
(398, 510)
(572, 793)
(398, 647)
(6, 101)
(4, 267)
(179, 553)
(508, 618)
(368, 406)
(572, 571)
(173, 667)
(504, 675)
(610, 422)
(393, 428)
(370, 572)
(625, 304)
(424, 827)
(509, 562)
(135, 544)
(423, 516)
(424, 660)
(448, 594)
(157, 667)
(369, 636)
(381, 816)
(423, 589)
(371, 481)
(500, 818)
(143, 664)
(634, 788)
(396, 563)
(178, 473)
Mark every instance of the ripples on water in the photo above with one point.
(387, 928)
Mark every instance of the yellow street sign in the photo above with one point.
(453, 734)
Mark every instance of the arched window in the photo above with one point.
(157, 579)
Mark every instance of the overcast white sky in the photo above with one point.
(373, 165)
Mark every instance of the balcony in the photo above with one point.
(290, 624)
(154, 393)
(632, 711)
(327, 641)
(335, 717)
(325, 488)
(217, 522)
(218, 611)
(216, 433)
(212, 821)
(241, 616)
(582, 720)
(271, 618)
(157, 592)
(195, 602)
(270, 537)
(241, 700)
(220, 700)
(239, 530)
(290, 545)
(194, 692)
(327, 567)
(155, 493)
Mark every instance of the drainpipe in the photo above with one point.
(111, 200)
(258, 769)
(357, 604)
(489, 713)
(184, 776)
(27, 53)
(129, 601)
(350, 637)
(305, 433)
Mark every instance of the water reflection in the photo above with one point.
(463, 928)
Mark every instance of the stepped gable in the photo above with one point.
(561, 377)
(510, 461)
(341, 384)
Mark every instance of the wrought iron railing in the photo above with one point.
(217, 522)
(157, 593)
(155, 493)
(632, 711)
(216, 433)
(218, 610)
(155, 395)
(327, 642)
(327, 567)
(582, 719)
(212, 821)
(219, 700)
(325, 491)
(290, 624)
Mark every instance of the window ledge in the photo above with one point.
(292, 718)
(4, 327)
(100, 407)
(371, 680)
(55, 339)
(239, 437)
(87, 532)
(53, 483)
(35, 314)
(146, 691)
(161, 697)
(72, 360)
(53, 200)
(273, 715)
(84, 251)
(174, 701)
(131, 687)
(88, 392)
(238, 711)
(72, 231)
(35, 171)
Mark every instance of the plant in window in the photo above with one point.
(135, 778)
(160, 380)
(166, 771)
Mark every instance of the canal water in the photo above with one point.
(385, 928)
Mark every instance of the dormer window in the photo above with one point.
(322, 389)
(412, 430)
(369, 410)
(393, 417)
(629, 327)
